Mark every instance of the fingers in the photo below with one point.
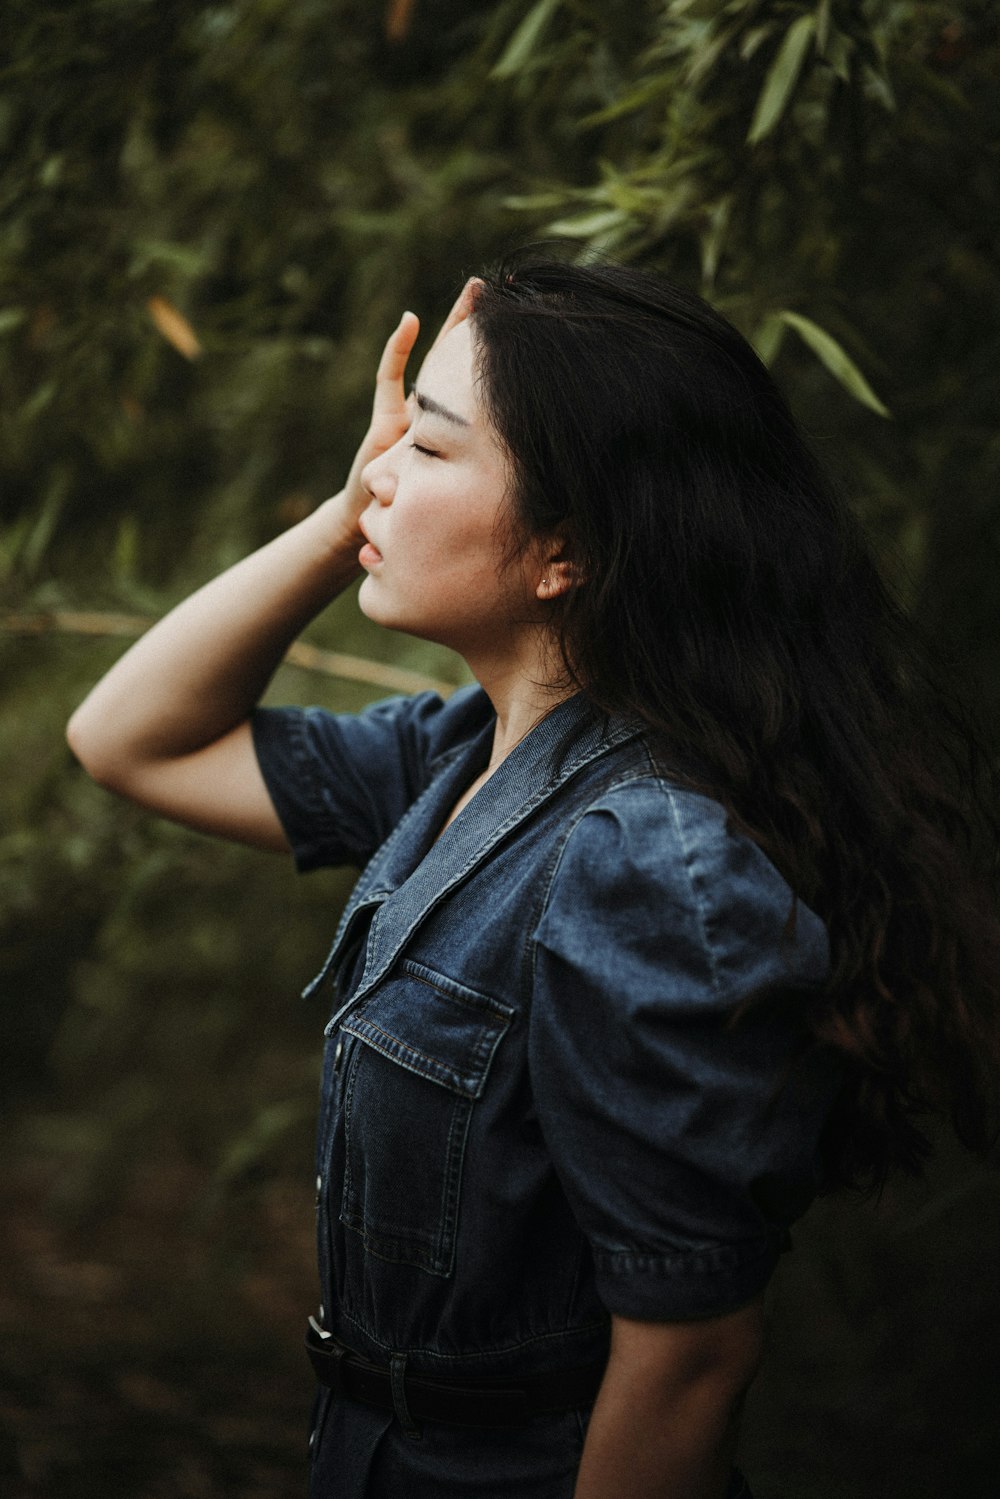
(463, 307)
(389, 391)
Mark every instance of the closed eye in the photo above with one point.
(427, 452)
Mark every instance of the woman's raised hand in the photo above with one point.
(391, 412)
(168, 726)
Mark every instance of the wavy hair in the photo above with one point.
(729, 601)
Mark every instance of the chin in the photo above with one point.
(368, 601)
(378, 609)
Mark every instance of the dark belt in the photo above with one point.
(502, 1401)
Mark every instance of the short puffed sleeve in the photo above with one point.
(686, 1139)
(341, 782)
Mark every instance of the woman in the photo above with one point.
(663, 924)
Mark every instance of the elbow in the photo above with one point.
(716, 1357)
(718, 1379)
(78, 738)
(94, 750)
(733, 1355)
(729, 1360)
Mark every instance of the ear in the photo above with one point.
(557, 572)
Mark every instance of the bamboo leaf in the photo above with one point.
(835, 358)
(781, 79)
(588, 223)
(11, 318)
(397, 20)
(879, 88)
(190, 262)
(768, 339)
(754, 38)
(126, 552)
(518, 51)
(632, 100)
(838, 55)
(535, 202)
(37, 402)
(174, 327)
(705, 56)
(822, 25)
(39, 537)
(713, 238)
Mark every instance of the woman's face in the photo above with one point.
(435, 555)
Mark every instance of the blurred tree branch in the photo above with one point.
(308, 657)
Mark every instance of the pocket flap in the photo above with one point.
(433, 1026)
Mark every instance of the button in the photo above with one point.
(319, 1188)
(338, 1054)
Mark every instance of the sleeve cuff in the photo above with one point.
(706, 1282)
(279, 740)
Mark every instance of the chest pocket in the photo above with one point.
(426, 1046)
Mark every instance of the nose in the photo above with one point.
(378, 477)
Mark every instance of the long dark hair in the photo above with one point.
(728, 600)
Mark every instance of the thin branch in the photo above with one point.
(301, 654)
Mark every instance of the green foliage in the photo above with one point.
(782, 77)
(520, 53)
(210, 217)
(830, 353)
(212, 213)
(831, 168)
(280, 179)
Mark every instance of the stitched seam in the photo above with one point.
(476, 857)
(432, 1249)
(474, 998)
(712, 1259)
(451, 1358)
(305, 764)
(308, 761)
(433, 1069)
(402, 1244)
(695, 883)
(623, 778)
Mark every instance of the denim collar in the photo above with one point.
(420, 872)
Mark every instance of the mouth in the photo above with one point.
(369, 554)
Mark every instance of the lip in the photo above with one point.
(369, 553)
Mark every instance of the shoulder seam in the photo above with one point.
(695, 884)
(700, 902)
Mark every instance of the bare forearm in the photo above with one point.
(200, 670)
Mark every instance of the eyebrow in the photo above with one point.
(434, 408)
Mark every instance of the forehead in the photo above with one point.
(448, 374)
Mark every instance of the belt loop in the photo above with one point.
(397, 1381)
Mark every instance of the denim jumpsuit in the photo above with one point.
(536, 1111)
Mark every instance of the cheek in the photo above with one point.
(458, 531)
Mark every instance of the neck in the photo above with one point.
(522, 689)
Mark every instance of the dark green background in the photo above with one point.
(286, 177)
